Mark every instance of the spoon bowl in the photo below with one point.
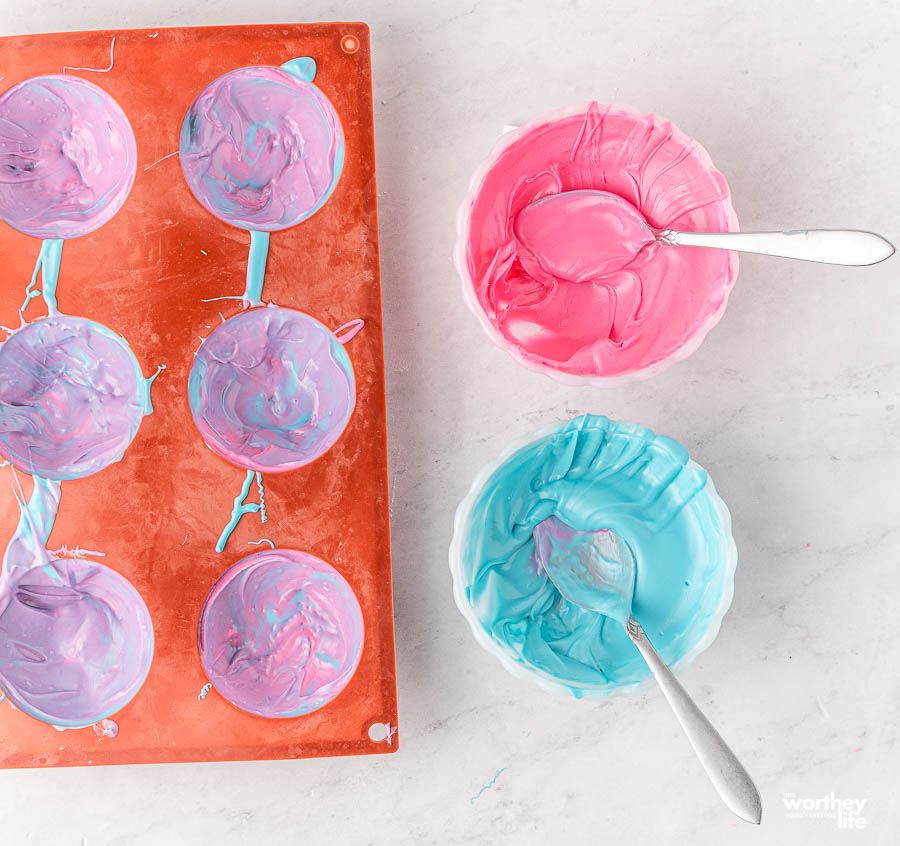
(557, 236)
(594, 570)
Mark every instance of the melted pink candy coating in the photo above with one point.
(558, 236)
(261, 148)
(67, 157)
(564, 298)
(281, 633)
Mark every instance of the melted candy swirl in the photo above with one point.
(271, 389)
(71, 397)
(261, 148)
(67, 157)
(281, 633)
(76, 640)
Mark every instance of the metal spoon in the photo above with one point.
(596, 571)
(605, 215)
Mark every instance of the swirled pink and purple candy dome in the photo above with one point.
(67, 157)
(72, 397)
(281, 633)
(76, 641)
(262, 148)
(271, 389)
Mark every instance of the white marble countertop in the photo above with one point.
(792, 403)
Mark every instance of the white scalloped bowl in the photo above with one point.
(529, 360)
(512, 661)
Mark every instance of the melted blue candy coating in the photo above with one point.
(256, 267)
(593, 473)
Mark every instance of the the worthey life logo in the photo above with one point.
(846, 812)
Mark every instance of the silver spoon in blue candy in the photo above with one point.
(596, 571)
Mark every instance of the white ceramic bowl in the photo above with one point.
(542, 679)
(460, 257)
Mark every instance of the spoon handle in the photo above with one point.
(725, 771)
(830, 246)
